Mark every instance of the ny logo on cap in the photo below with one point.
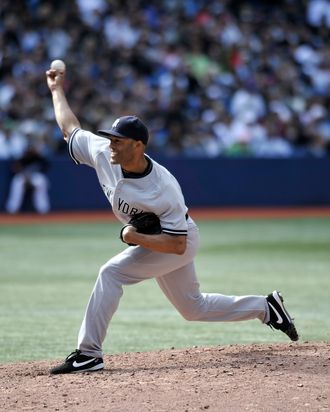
(115, 123)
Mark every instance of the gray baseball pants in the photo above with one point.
(177, 279)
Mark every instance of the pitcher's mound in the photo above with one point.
(284, 377)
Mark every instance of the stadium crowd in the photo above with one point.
(209, 77)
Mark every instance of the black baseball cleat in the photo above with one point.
(77, 362)
(279, 316)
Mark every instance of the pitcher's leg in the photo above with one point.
(102, 305)
(104, 300)
(182, 289)
(131, 266)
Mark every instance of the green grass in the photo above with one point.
(47, 273)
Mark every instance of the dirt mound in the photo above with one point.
(292, 377)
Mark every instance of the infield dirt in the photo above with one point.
(196, 213)
(268, 377)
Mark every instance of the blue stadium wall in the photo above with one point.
(222, 182)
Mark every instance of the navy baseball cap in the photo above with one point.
(127, 126)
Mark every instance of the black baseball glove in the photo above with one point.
(146, 222)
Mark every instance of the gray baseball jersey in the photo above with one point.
(159, 192)
(129, 196)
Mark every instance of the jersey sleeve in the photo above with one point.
(84, 147)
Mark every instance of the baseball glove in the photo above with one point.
(146, 222)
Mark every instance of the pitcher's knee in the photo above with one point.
(190, 316)
(107, 274)
(103, 271)
(193, 313)
(108, 283)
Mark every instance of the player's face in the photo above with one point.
(122, 151)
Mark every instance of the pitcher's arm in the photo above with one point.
(66, 119)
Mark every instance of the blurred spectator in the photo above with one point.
(318, 13)
(12, 143)
(246, 104)
(210, 78)
(29, 172)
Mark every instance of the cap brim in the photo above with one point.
(108, 133)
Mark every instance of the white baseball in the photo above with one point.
(58, 65)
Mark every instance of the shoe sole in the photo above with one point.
(92, 369)
(291, 332)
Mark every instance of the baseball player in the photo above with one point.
(134, 183)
